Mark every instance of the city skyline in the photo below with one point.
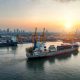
(54, 15)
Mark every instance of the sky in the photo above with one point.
(54, 15)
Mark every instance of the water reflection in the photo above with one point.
(39, 64)
(14, 49)
(36, 64)
(8, 49)
(75, 53)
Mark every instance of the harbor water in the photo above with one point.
(15, 66)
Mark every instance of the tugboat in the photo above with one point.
(39, 49)
(8, 41)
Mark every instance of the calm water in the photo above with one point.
(14, 65)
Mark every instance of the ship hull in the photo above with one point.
(51, 54)
(8, 44)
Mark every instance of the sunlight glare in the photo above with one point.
(68, 23)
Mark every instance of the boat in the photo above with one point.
(40, 50)
(8, 41)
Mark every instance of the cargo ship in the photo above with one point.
(40, 50)
(8, 41)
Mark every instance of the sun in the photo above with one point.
(68, 25)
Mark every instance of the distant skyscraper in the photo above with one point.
(8, 30)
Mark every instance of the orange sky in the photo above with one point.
(51, 26)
